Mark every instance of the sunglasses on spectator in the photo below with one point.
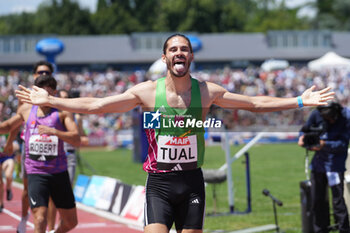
(43, 72)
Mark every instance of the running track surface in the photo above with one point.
(87, 222)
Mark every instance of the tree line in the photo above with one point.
(66, 17)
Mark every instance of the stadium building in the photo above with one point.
(140, 50)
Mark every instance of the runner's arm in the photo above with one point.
(8, 148)
(11, 124)
(117, 103)
(72, 128)
(70, 136)
(225, 99)
(84, 140)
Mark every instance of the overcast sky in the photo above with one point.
(17, 6)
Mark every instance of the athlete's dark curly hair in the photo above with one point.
(165, 45)
(46, 81)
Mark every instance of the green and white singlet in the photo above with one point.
(178, 144)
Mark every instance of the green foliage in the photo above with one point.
(204, 16)
(101, 4)
(17, 24)
(276, 19)
(63, 17)
(201, 15)
(4, 26)
(235, 15)
(115, 19)
(324, 6)
(66, 17)
(332, 14)
(146, 13)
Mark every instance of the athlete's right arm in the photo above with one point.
(117, 103)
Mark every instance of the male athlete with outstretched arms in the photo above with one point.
(175, 186)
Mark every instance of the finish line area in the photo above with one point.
(93, 216)
(88, 222)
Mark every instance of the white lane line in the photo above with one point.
(7, 228)
(17, 217)
(108, 215)
(98, 225)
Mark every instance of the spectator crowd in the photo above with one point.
(289, 82)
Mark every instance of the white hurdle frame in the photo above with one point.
(230, 160)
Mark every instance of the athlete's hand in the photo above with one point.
(43, 129)
(316, 98)
(36, 96)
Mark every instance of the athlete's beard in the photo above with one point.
(169, 65)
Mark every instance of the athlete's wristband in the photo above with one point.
(300, 102)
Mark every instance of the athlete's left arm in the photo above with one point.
(8, 148)
(11, 124)
(225, 99)
(84, 139)
(70, 136)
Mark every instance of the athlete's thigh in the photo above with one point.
(158, 207)
(38, 190)
(61, 191)
(9, 162)
(9, 165)
(189, 214)
(158, 210)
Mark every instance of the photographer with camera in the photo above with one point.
(327, 132)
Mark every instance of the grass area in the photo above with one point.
(278, 168)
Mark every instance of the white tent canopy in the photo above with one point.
(330, 60)
(272, 64)
(157, 69)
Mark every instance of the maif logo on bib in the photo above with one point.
(151, 120)
(177, 153)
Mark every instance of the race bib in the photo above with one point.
(43, 147)
(177, 153)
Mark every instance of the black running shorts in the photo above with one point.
(57, 186)
(175, 197)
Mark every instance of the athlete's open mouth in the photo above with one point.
(179, 63)
(179, 66)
